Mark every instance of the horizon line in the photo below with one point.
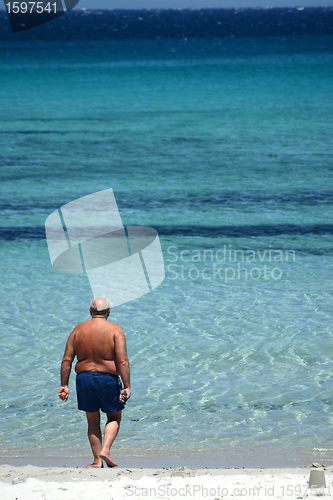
(197, 8)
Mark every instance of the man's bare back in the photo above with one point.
(94, 343)
(99, 345)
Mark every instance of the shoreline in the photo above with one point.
(229, 458)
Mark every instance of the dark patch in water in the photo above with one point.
(19, 232)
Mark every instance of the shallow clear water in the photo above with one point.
(222, 145)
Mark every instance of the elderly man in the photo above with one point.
(100, 348)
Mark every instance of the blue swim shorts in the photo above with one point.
(96, 390)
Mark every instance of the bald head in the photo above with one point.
(100, 306)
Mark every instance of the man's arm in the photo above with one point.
(66, 366)
(122, 362)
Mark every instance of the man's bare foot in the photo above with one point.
(95, 466)
(107, 459)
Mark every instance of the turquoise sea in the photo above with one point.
(224, 145)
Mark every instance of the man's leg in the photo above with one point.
(110, 433)
(95, 436)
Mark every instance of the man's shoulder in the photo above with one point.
(88, 325)
(114, 325)
(80, 326)
(116, 328)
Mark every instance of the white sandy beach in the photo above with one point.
(52, 483)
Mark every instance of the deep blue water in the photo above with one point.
(82, 24)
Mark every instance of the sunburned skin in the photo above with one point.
(99, 345)
(94, 345)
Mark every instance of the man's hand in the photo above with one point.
(125, 394)
(63, 392)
